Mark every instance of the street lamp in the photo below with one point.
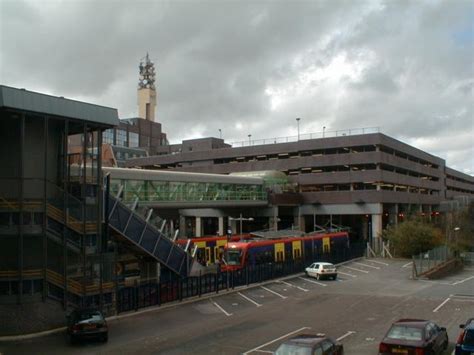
(298, 123)
(241, 219)
(324, 129)
(249, 138)
(220, 133)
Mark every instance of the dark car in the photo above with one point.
(465, 342)
(307, 344)
(87, 323)
(414, 336)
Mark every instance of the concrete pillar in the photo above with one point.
(299, 222)
(377, 232)
(273, 221)
(182, 226)
(221, 226)
(233, 226)
(198, 227)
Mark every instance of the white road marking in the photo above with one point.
(275, 293)
(351, 268)
(345, 335)
(462, 281)
(465, 297)
(222, 309)
(250, 300)
(436, 282)
(373, 267)
(442, 304)
(377, 262)
(314, 282)
(408, 264)
(265, 351)
(343, 273)
(274, 340)
(299, 288)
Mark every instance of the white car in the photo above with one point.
(321, 270)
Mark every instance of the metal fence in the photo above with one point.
(145, 294)
(426, 261)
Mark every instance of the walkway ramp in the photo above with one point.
(147, 238)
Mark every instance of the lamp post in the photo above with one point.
(298, 124)
(220, 133)
(241, 219)
(249, 138)
(324, 129)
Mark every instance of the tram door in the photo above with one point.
(279, 252)
(296, 249)
(219, 249)
(326, 245)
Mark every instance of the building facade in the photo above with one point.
(365, 181)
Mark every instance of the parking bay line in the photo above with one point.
(275, 293)
(274, 340)
(222, 309)
(350, 332)
(298, 287)
(351, 268)
(343, 273)
(442, 304)
(373, 267)
(312, 281)
(377, 262)
(250, 300)
(462, 281)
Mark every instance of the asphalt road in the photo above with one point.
(357, 309)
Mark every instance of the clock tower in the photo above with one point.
(146, 90)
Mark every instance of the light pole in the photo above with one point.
(249, 138)
(298, 124)
(324, 129)
(220, 133)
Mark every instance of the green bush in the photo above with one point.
(413, 237)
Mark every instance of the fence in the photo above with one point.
(426, 261)
(145, 294)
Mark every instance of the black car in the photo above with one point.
(465, 342)
(307, 344)
(87, 323)
(414, 337)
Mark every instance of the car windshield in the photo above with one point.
(469, 337)
(233, 257)
(405, 333)
(328, 266)
(291, 349)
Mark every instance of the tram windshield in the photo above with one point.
(233, 256)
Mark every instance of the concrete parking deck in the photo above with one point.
(357, 309)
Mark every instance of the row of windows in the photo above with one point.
(459, 179)
(449, 188)
(120, 138)
(367, 186)
(408, 157)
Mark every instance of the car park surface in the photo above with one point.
(356, 310)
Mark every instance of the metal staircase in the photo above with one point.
(147, 238)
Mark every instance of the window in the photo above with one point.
(121, 138)
(133, 140)
(327, 346)
(108, 136)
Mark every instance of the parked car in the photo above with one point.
(87, 323)
(307, 344)
(322, 270)
(414, 336)
(465, 342)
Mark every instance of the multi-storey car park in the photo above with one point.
(360, 178)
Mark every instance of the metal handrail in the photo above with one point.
(306, 136)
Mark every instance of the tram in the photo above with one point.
(252, 252)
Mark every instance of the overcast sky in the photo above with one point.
(252, 67)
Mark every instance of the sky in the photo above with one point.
(253, 67)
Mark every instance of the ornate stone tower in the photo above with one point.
(146, 90)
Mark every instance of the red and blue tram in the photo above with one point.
(252, 252)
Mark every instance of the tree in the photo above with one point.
(413, 237)
(459, 227)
